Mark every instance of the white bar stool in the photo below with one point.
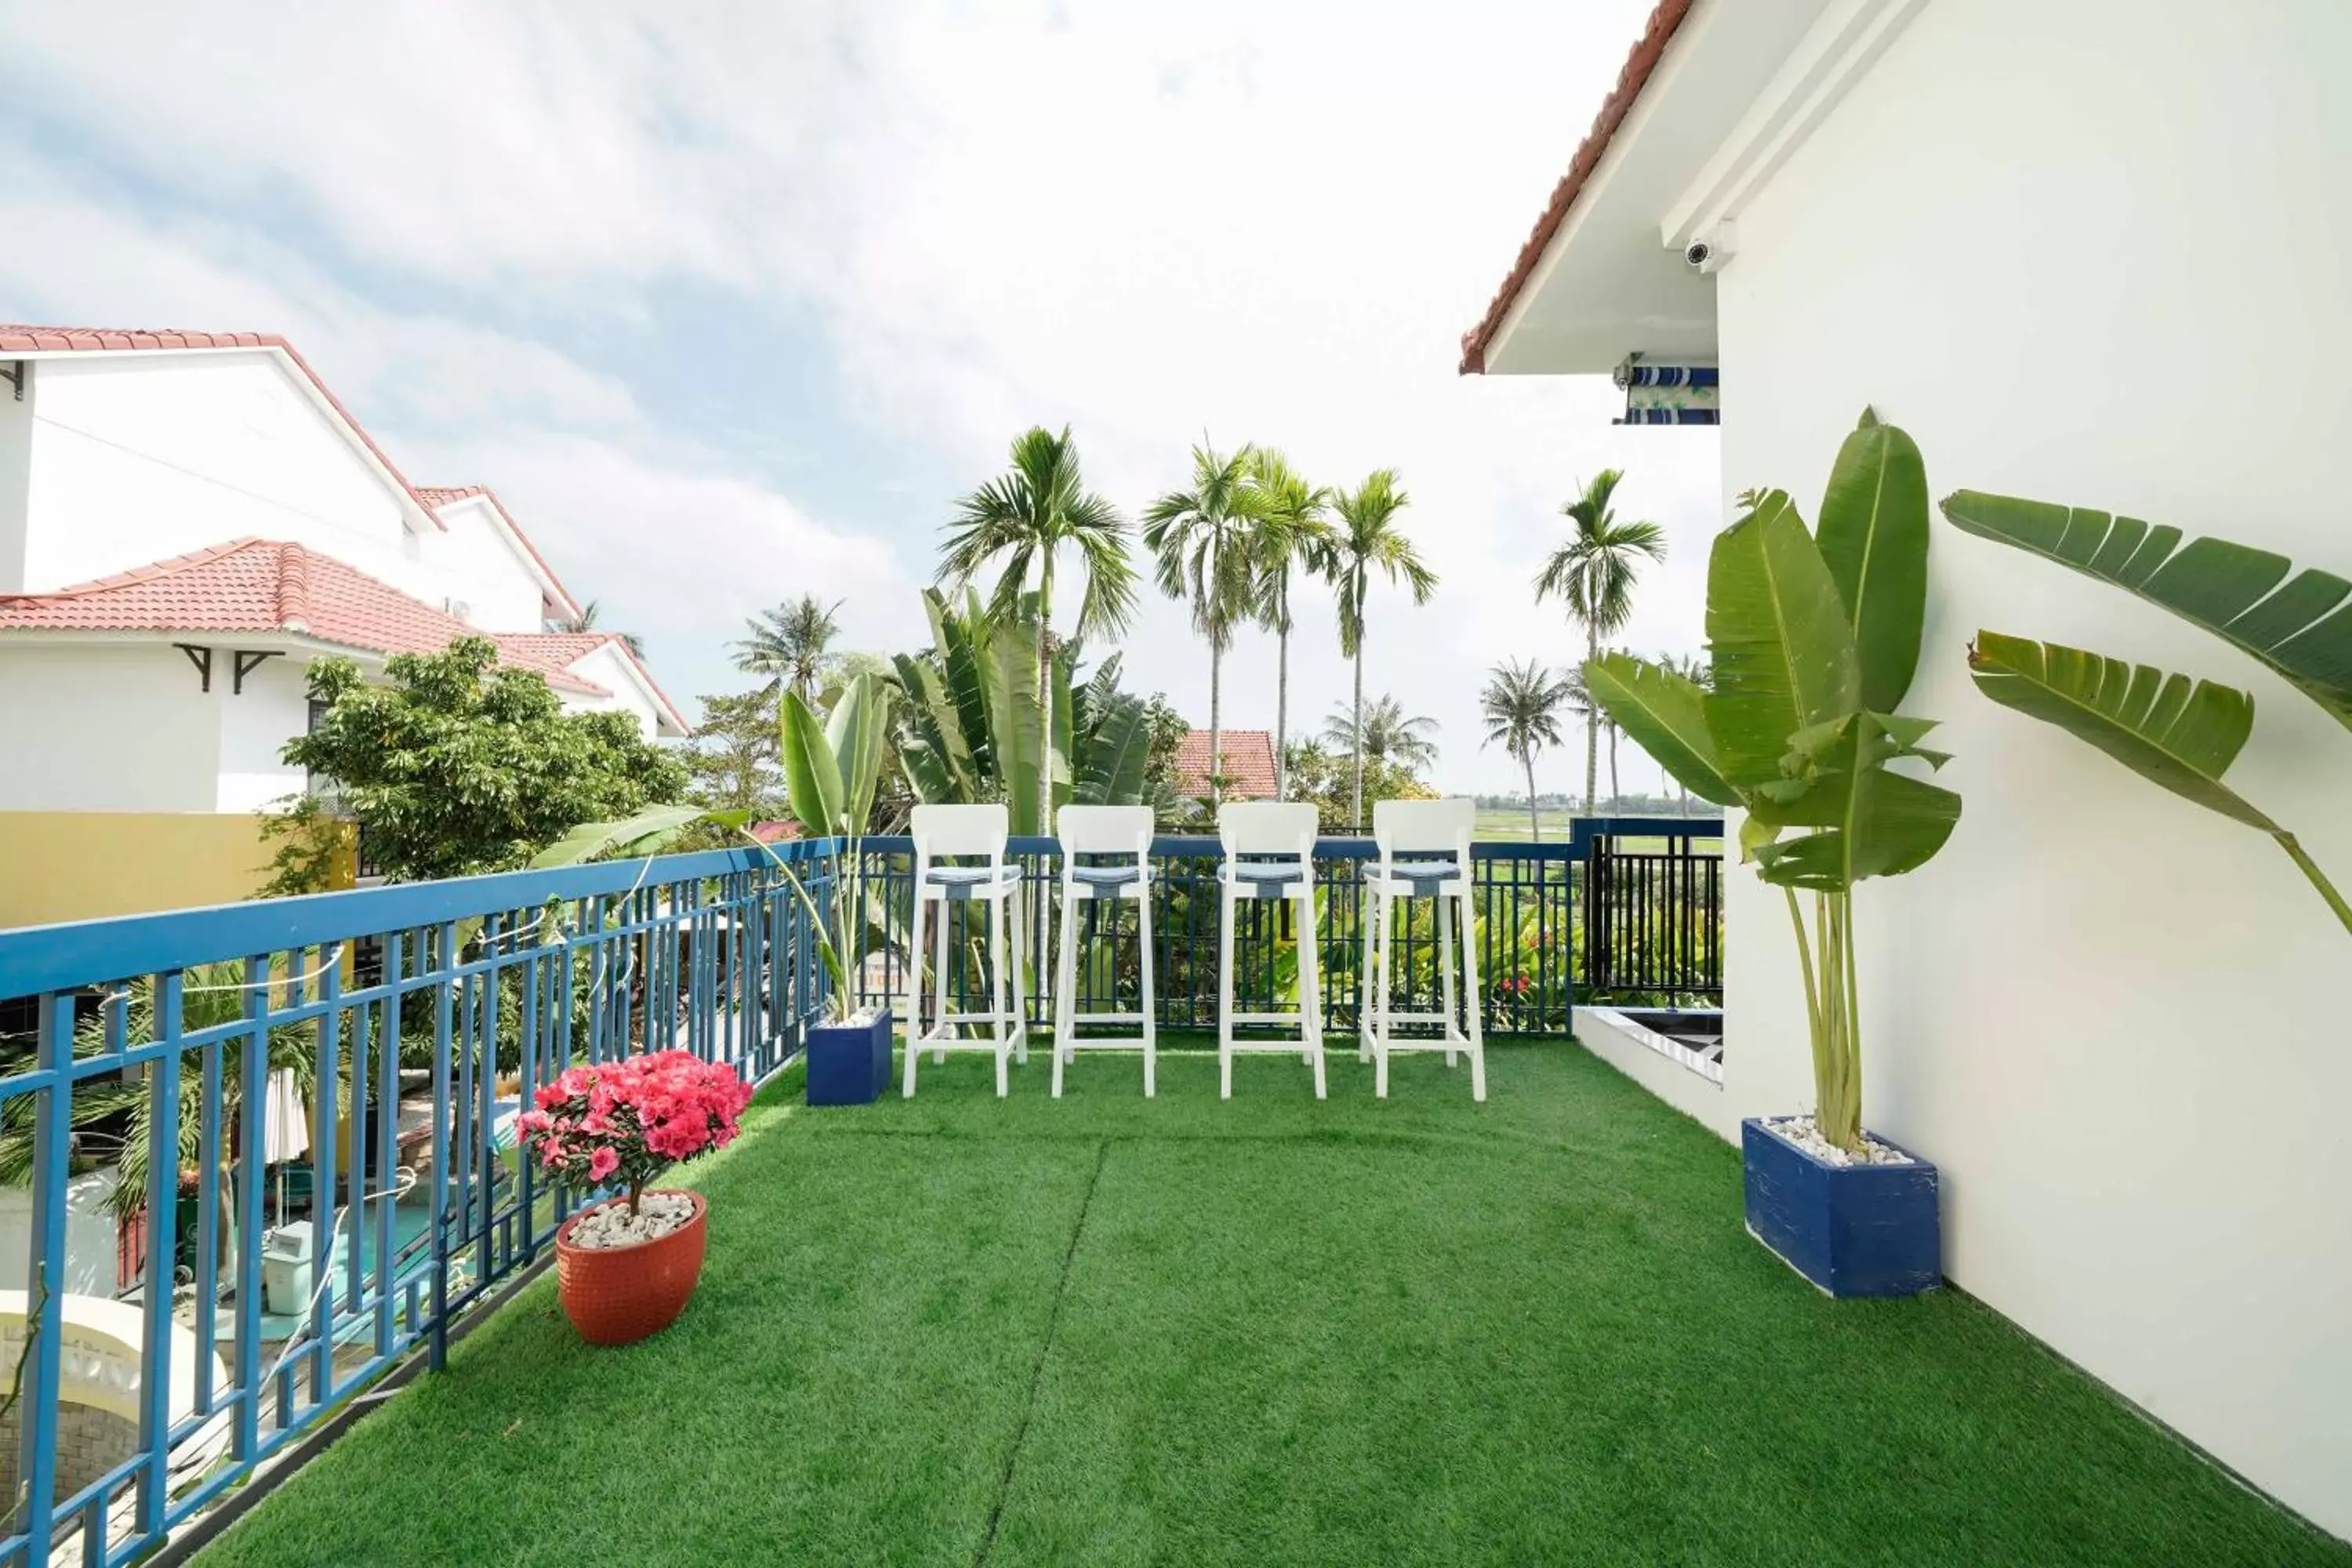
(1425, 853)
(969, 832)
(1103, 832)
(1269, 853)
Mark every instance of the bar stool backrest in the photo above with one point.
(941, 830)
(1251, 828)
(1425, 827)
(1104, 830)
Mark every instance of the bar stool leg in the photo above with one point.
(939, 976)
(1065, 987)
(1364, 897)
(1016, 908)
(998, 1011)
(1477, 1027)
(1225, 992)
(1310, 990)
(1384, 938)
(1151, 1001)
(1445, 968)
(914, 991)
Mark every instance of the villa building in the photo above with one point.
(186, 520)
(2090, 254)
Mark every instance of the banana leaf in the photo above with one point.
(1873, 539)
(1112, 766)
(2300, 627)
(649, 832)
(1782, 647)
(2175, 734)
(937, 761)
(1665, 715)
(1009, 671)
(812, 773)
(1867, 819)
(858, 734)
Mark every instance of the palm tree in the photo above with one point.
(585, 621)
(788, 645)
(1594, 572)
(1522, 704)
(1022, 518)
(1369, 539)
(1386, 732)
(1206, 541)
(1294, 532)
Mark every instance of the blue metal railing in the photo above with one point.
(422, 1015)
(475, 992)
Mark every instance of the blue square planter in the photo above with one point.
(849, 1064)
(1853, 1230)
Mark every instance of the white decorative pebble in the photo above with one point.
(1803, 1132)
(658, 1214)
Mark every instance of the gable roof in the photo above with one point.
(270, 586)
(1248, 759)
(1630, 80)
(440, 496)
(17, 339)
(568, 649)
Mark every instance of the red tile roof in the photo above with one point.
(566, 648)
(17, 338)
(438, 496)
(1248, 764)
(1647, 50)
(269, 585)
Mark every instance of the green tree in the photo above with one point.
(1594, 572)
(1522, 704)
(1370, 540)
(1383, 732)
(788, 645)
(1205, 540)
(1295, 533)
(732, 764)
(1022, 520)
(462, 765)
(1327, 780)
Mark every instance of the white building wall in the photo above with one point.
(15, 470)
(255, 726)
(2092, 252)
(498, 592)
(122, 727)
(611, 670)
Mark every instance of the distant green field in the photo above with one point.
(1503, 824)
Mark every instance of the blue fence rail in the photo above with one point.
(352, 1061)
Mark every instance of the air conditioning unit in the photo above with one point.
(460, 608)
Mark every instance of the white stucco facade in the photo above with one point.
(2089, 253)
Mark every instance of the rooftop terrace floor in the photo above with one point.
(1108, 1331)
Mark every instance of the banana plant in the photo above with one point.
(832, 768)
(1814, 639)
(971, 728)
(2176, 733)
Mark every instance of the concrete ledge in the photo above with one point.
(1668, 1069)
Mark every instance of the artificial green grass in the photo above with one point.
(1103, 1330)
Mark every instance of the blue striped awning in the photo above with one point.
(1669, 394)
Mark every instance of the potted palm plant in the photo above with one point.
(832, 768)
(1813, 642)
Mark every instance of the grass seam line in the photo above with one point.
(1037, 1367)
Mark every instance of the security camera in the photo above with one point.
(1709, 252)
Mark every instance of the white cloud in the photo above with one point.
(1147, 221)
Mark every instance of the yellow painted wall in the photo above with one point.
(87, 865)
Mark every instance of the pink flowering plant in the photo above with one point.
(621, 1123)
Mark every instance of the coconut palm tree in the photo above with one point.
(1206, 541)
(1593, 574)
(1294, 532)
(1386, 732)
(1369, 539)
(1022, 519)
(1522, 704)
(585, 621)
(788, 646)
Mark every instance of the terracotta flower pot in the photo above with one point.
(619, 1295)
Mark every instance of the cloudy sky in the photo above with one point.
(731, 300)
